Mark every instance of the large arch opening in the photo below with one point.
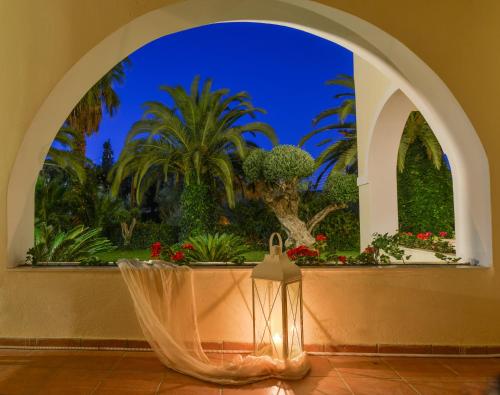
(402, 68)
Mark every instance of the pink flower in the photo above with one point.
(443, 234)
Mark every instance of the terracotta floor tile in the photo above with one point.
(67, 390)
(26, 375)
(19, 389)
(318, 386)
(49, 358)
(362, 386)
(265, 387)
(363, 367)
(451, 387)
(419, 367)
(75, 378)
(91, 361)
(138, 373)
(188, 388)
(146, 361)
(122, 392)
(474, 367)
(14, 352)
(130, 380)
(321, 367)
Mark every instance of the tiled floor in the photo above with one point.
(137, 373)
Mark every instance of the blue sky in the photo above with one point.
(283, 69)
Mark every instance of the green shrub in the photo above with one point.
(197, 211)
(425, 194)
(341, 188)
(341, 226)
(282, 163)
(75, 245)
(216, 248)
(145, 234)
(253, 221)
(286, 162)
(253, 165)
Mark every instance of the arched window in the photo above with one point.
(404, 82)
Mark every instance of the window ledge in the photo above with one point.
(250, 265)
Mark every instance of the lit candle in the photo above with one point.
(278, 343)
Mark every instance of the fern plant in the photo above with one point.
(216, 248)
(77, 244)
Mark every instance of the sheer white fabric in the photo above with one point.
(163, 296)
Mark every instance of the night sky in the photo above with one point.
(283, 69)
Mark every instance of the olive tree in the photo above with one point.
(277, 176)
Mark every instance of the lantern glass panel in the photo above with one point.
(268, 318)
(294, 318)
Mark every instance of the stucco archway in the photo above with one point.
(406, 71)
(378, 175)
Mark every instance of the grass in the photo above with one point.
(144, 255)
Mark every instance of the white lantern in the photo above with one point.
(277, 305)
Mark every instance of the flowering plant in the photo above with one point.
(301, 252)
(317, 254)
(178, 256)
(427, 241)
(187, 246)
(321, 238)
(178, 253)
(156, 250)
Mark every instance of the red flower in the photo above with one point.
(188, 246)
(443, 234)
(369, 250)
(424, 236)
(299, 251)
(155, 250)
(342, 259)
(178, 256)
(321, 237)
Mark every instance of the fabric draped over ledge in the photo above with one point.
(164, 301)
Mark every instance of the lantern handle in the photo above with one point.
(275, 249)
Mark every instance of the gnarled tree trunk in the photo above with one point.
(283, 198)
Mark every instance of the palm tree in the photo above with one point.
(417, 129)
(87, 114)
(62, 154)
(342, 154)
(193, 141)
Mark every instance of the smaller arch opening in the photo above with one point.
(426, 214)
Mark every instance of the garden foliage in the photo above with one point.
(197, 210)
(75, 245)
(208, 248)
(425, 194)
(253, 221)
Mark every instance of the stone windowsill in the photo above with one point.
(250, 265)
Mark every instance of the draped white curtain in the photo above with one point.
(163, 296)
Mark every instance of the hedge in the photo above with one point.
(425, 194)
